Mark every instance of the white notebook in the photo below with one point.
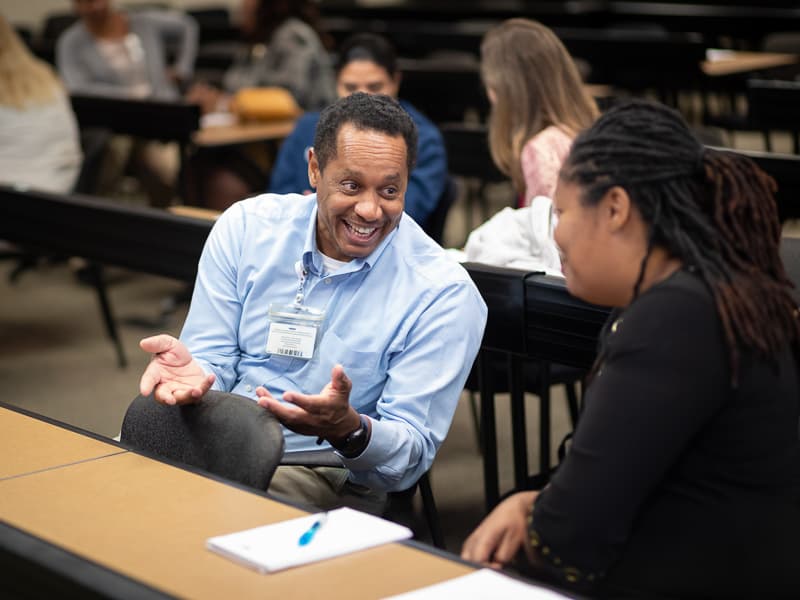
(289, 543)
(484, 584)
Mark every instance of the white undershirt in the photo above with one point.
(331, 265)
(126, 57)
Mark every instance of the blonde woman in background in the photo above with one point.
(539, 104)
(39, 142)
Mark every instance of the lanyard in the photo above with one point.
(302, 274)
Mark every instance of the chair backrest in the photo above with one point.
(637, 57)
(106, 232)
(775, 105)
(434, 226)
(149, 119)
(468, 152)
(225, 434)
(444, 89)
(790, 253)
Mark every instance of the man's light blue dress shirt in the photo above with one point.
(405, 322)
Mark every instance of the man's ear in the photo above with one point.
(313, 168)
(616, 208)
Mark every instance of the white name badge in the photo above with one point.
(293, 330)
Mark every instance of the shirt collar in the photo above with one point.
(312, 259)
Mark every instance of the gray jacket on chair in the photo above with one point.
(85, 71)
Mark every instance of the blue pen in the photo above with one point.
(312, 531)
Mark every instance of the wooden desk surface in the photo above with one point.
(149, 521)
(242, 133)
(28, 445)
(730, 62)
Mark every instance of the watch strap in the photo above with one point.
(356, 441)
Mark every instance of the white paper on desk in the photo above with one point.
(484, 584)
(275, 547)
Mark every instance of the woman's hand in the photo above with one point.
(499, 537)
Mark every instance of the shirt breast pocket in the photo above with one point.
(362, 367)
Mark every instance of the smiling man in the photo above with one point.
(336, 313)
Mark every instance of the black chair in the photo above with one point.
(639, 58)
(103, 232)
(94, 143)
(225, 434)
(775, 105)
(790, 254)
(399, 506)
(468, 158)
(536, 335)
(443, 88)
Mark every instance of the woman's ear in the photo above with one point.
(616, 208)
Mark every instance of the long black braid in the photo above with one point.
(713, 210)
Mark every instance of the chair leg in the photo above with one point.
(96, 274)
(431, 514)
(519, 436)
(476, 419)
(572, 402)
(544, 421)
(491, 484)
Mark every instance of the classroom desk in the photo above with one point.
(148, 521)
(731, 62)
(242, 133)
(28, 445)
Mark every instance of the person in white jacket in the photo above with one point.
(517, 238)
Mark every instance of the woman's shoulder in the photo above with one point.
(552, 136)
(680, 305)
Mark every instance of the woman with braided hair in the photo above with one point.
(682, 479)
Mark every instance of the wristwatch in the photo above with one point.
(356, 441)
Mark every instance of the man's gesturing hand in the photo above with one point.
(176, 377)
(327, 414)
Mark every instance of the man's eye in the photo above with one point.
(375, 88)
(349, 186)
(391, 192)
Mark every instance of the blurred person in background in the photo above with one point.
(368, 63)
(283, 48)
(109, 52)
(39, 141)
(538, 104)
(114, 53)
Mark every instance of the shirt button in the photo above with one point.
(328, 281)
(249, 388)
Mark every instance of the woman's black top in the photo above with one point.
(678, 483)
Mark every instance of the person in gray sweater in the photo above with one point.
(113, 53)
